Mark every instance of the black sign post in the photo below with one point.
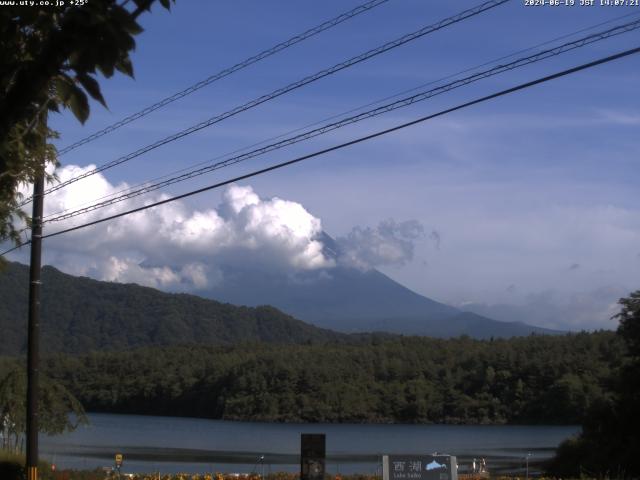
(312, 456)
(419, 467)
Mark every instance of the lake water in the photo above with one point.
(171, 445)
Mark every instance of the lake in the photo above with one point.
(171, 444)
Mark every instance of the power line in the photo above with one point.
(332, 117)
(226, 72)
(293, 86)
(521, 86)
(501, 93)
(17, 247)
(569, 46)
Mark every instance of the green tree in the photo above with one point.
(59, 410)
(49, 60)
(629, 328)
(610, 439)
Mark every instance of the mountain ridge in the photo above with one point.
(80, 314)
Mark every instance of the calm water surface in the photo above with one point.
(170, 444)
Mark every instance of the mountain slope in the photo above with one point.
(80, 315)
(325, 296)
(351, 300)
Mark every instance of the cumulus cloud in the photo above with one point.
(179, 248)
(130, 270)
(174, 246)
(390, 243)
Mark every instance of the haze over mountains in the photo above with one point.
(575, 310)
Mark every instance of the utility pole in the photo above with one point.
(33, 329)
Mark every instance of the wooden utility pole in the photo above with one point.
(33, 329)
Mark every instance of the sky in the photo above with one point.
(524, 207)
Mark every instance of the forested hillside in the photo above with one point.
(81, 315)
(537, 379)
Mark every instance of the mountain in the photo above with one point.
(80, 315)
(591, 308)
(349, 299)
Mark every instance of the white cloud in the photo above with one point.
(390, 243)
(175, 247)
(129, 271)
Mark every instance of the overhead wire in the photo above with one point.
(332, 117)
(380, 133)
(471, 12)
(16, 247)
(365, 7)
(404, 102)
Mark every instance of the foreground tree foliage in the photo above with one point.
(609, 445)
(59, 410)
(49, 60)
(537, 379)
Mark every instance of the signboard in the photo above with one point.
(312, 456)
(118, 460)
(419, 467)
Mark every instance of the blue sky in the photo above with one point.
(533, 196)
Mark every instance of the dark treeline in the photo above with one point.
(536, 379)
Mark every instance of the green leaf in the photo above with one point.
(63, 85)
(79, 105)
(125, 66)
(92, 87)
(106, 68)
(72, 97)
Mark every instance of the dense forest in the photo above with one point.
(536, 379)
